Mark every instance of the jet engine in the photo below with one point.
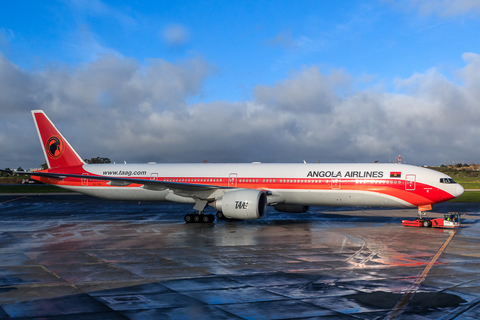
(242, 204)
(291, 208)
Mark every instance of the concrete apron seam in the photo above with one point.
(402, 304)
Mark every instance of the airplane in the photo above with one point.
(242, 191)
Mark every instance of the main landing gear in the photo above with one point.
(199, 217)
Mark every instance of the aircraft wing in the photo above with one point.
(179, 188)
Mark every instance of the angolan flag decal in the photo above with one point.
(395, 174)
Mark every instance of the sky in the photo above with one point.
(243, 81)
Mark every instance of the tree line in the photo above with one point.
(44, 165)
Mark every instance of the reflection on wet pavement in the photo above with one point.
(75, 257)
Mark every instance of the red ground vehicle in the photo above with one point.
(450, 220)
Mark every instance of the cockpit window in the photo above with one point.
(447, 180)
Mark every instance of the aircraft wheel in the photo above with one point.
(427, 223)
(188, 218)
(205, 218)
(196, 218)
(220, 215)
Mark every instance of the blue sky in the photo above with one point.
(268, 60)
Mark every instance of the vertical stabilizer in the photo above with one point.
(58, 152)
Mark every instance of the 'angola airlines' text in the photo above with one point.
(348, 174)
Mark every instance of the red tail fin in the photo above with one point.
(58, 152)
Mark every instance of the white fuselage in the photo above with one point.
(382, 185)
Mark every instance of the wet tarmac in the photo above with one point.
(76, 257)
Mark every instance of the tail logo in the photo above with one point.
(55, 147)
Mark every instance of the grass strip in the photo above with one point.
(468, 196)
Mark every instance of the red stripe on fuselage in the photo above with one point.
(422, 195)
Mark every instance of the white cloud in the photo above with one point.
(17, 87)
(6, 35)
(445, 8)
(296, 46)
(100, 9)
(283, 39)
(86, 46)
(308, 91)
(120, 93)
(125, 110)
(176, 35)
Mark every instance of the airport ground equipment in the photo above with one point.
(450, 220)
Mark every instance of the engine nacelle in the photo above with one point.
(291, 208)
(243, 204)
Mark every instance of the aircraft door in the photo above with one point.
(410, 182)
(84, 181)
(154, 176)
(336, 183)
(232, 180)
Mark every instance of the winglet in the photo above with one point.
(58, 152)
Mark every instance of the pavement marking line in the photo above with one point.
(400, 306)
(13, 199)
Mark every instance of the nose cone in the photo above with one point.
(459, 190)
